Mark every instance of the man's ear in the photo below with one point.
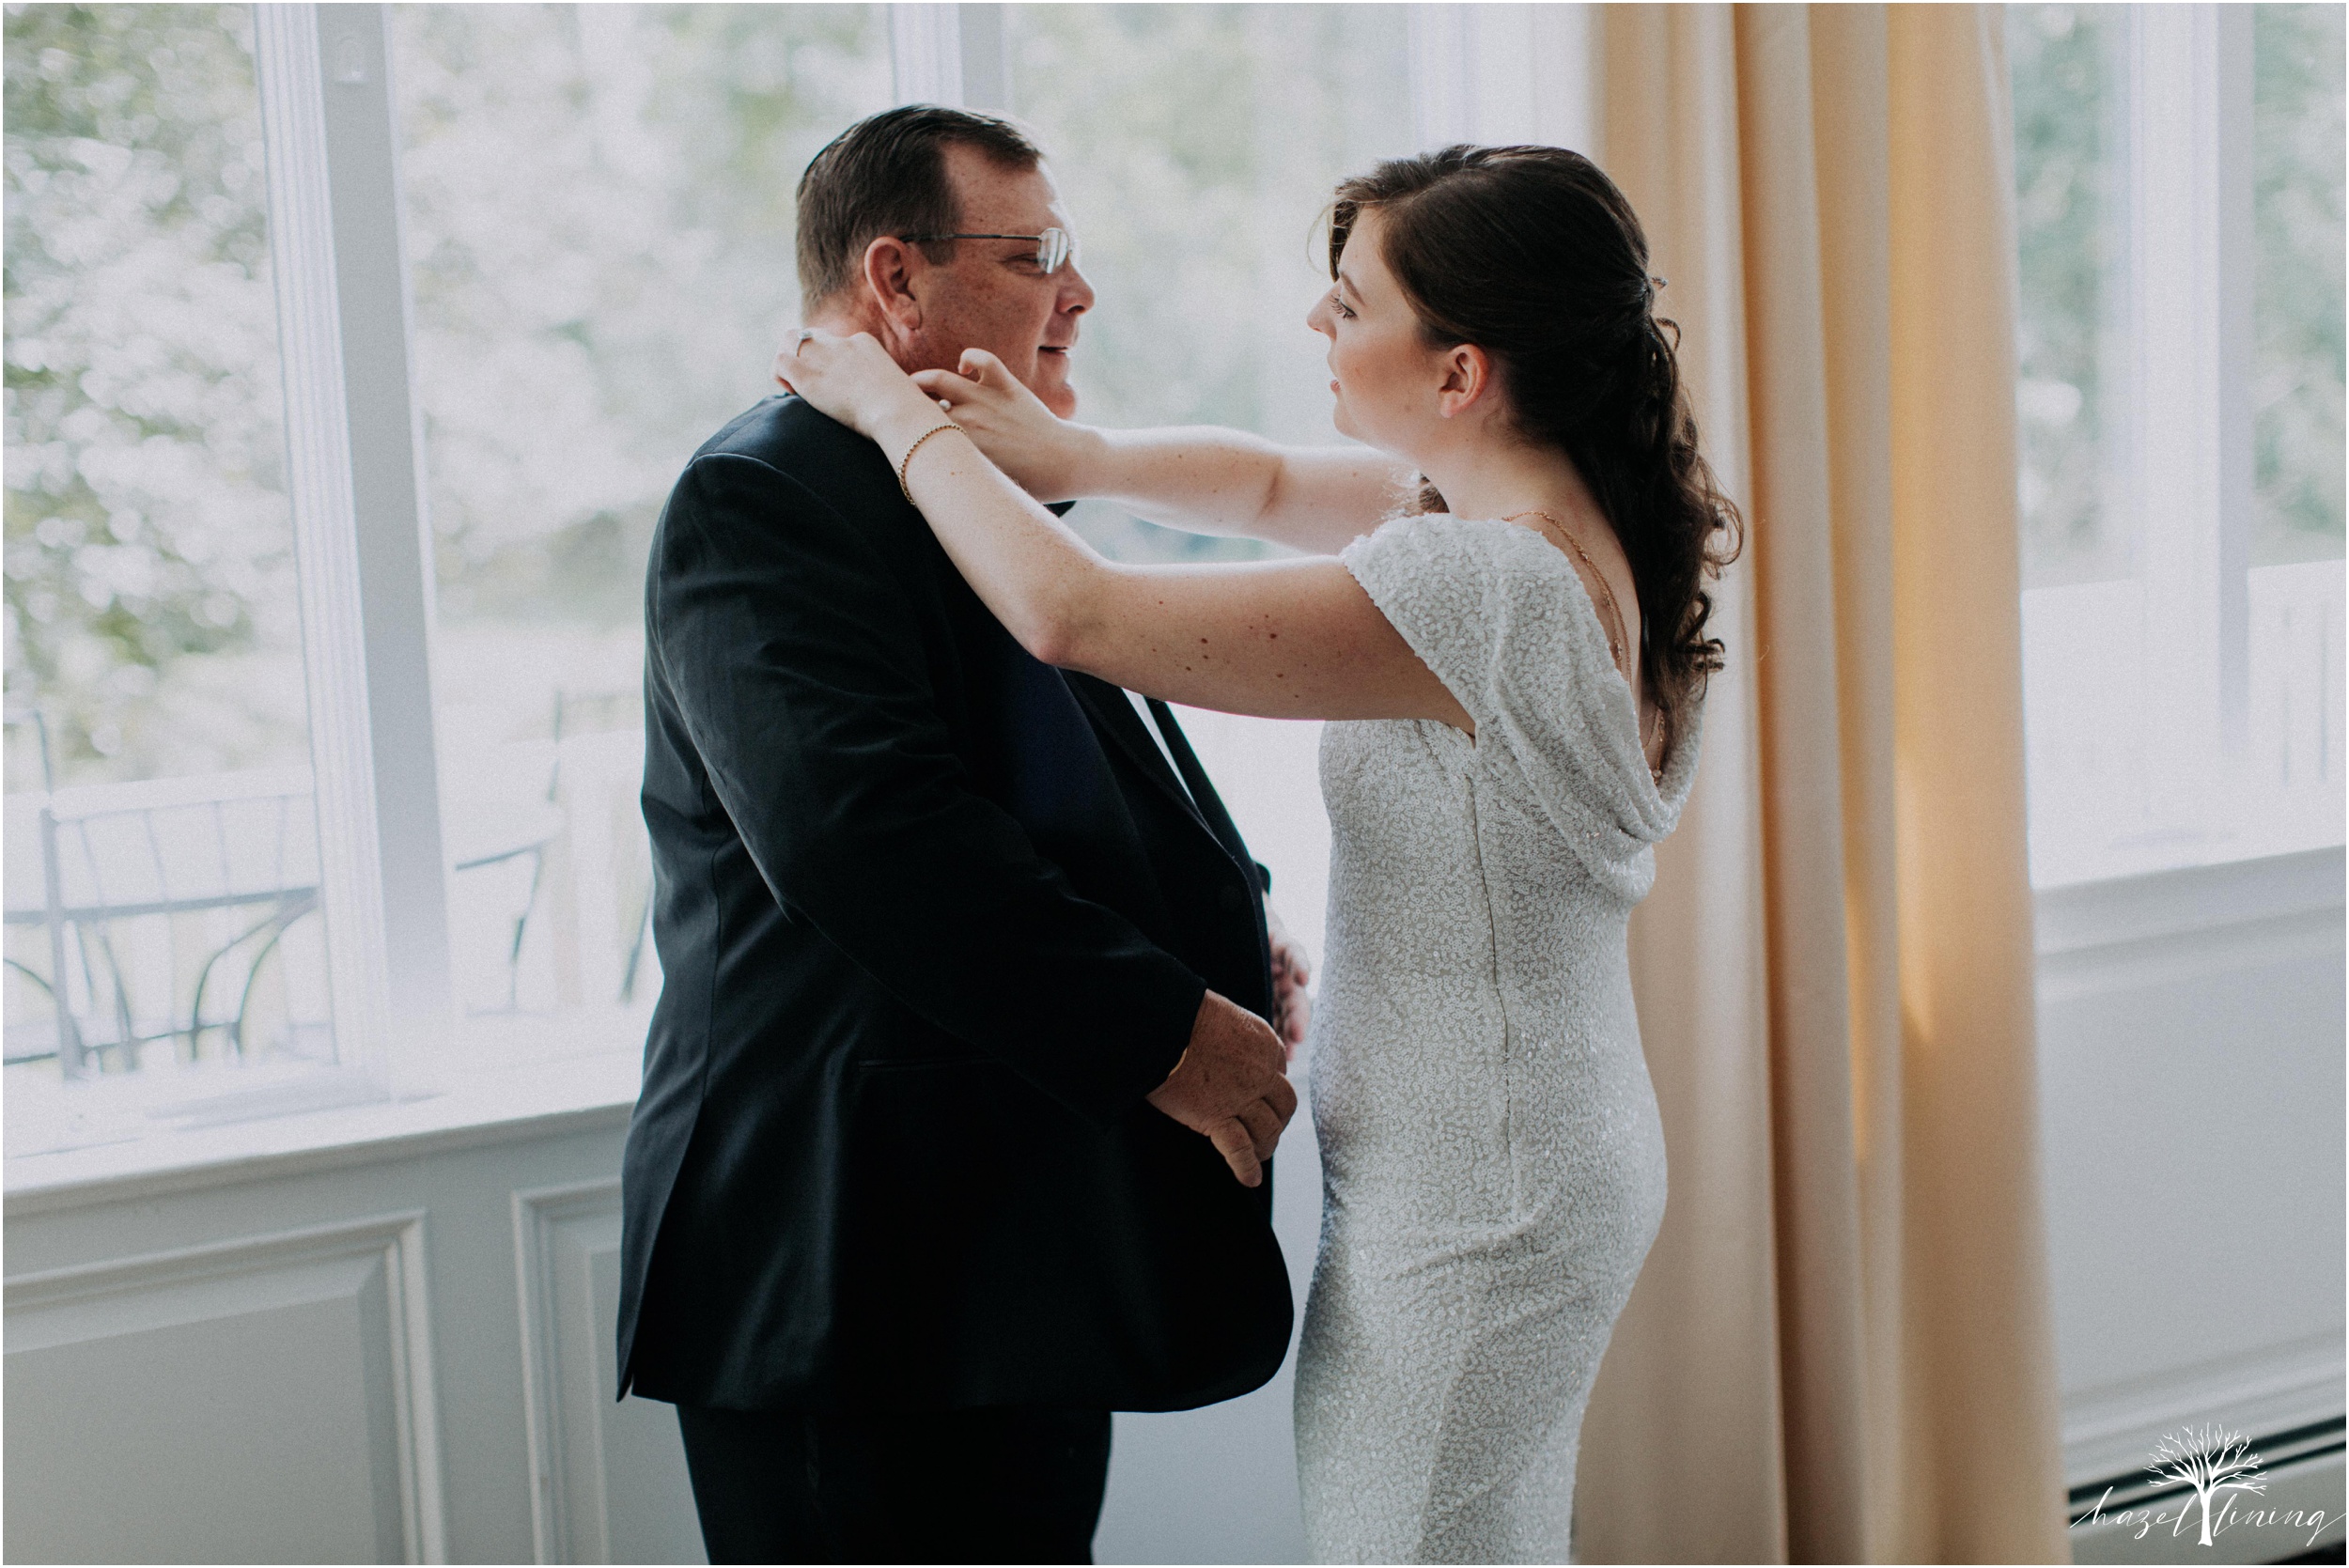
(1468, 375)
(889, 276)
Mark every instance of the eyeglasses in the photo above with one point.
(1052, 247)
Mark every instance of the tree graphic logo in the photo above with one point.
(2211, 1460)
(2197, 1470)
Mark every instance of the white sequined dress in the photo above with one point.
(1492, 1160)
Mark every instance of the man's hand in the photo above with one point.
(1231, 1086)
(1292, 1009)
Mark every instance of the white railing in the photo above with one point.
(583, 941)
(140, 895)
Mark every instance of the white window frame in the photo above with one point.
(361, 535)
(2188, 319)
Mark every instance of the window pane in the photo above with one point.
(598, 210)
(2068, 157)
(161, 847)
(2296, 377)
(2169, 722)
(1195, 146)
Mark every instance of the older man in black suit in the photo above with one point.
(960, 1100)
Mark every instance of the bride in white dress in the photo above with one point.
(1517, 663)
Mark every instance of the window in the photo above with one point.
(599, 216)
(2178, 185)
(351, 351)
(209, 446)
(162, 850)
(331, 455)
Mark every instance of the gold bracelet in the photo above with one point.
(925, 435)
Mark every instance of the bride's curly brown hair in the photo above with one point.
(1533, 255)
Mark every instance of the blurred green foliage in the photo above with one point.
(152, 611)
(2070, 87)
(2297, 142)
(599, 213)
(2067, 176)
(599, 217)
(1196, 146)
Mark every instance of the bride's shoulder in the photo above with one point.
(1478, 589)
(1494, 553)
(1442, 533)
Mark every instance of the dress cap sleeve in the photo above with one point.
(1502, 617)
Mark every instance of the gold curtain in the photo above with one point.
(1841, 1348)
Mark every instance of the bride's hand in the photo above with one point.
(1044, 455)
(851, 378)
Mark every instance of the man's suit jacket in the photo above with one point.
(933, 918)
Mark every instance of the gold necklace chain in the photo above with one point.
(1614, 614)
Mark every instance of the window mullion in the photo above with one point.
(361, 541)
(926, 54)
(2229, 64)
(950, 53)
(2192, 484)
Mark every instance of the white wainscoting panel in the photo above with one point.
(267, 1400)
(609, 1476)
(2191, 1047)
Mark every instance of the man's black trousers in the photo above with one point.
(1003, 1484)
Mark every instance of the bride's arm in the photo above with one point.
(1287, 639)
(1282, 639)
(1202, 479)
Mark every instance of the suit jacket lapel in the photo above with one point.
(1209, 804)
(1219, 823)
(1112, 712)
